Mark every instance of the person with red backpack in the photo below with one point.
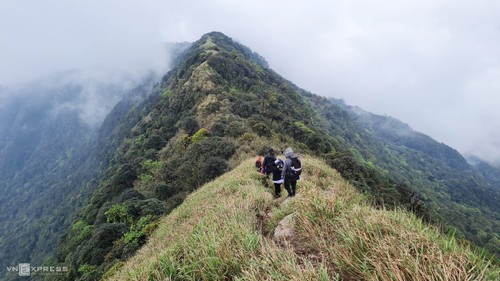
(258, 164)
(292, 170)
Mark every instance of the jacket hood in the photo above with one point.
(289, 153)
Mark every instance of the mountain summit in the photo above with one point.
(221, 105)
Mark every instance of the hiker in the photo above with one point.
(277, 178)
(291, 171)
(258, 164)
(268, 162)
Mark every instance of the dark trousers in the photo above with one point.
(277, 189)
(290, 183)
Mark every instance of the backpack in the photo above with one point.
(258, 163)
(269, 164)
(279, 164)
(295, 168)
(277, 169)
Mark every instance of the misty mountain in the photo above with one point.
(49, 147)
(490, 172)
(218, 106)
(221, 104)
(455, 193)
(450, 169)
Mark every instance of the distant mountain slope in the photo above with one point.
(455, 192)
(222, 104)
(41, 150)
(232, 229)
(47, 155)
(490, 172)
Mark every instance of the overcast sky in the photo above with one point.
(434, 64)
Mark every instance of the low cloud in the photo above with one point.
(95, 96)
(432, 64)
(40, 38)
(89, 95)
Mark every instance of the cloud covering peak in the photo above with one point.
(432, 64)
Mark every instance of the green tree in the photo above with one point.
(262, 130)
(118, 213)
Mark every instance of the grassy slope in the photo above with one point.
(223, 231)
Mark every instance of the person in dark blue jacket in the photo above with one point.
(277, 179)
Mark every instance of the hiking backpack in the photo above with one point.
(258, 163)
(279, 164)
(269, 164)
(295, 168)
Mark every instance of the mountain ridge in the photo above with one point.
(222, 104)
(218, 106)
(231, 228)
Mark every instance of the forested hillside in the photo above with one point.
(221, 104)
(40, 152)
(49, 156)
(441, 181)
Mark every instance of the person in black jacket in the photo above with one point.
(269, 162)
(291, 174)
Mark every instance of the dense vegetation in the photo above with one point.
(49, 159)
(42, 161)
(226, 231)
